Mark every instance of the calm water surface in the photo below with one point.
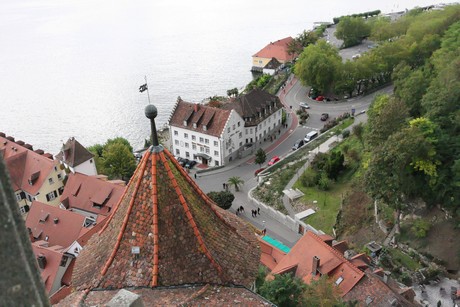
(73, 68)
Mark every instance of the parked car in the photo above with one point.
(304, 105)
(319, 98)
(273, 160)
(183, 162)
(258, 171)
(298, 144)
(190, 164)
(324, 116)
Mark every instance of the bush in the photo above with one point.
(420, 227)
(309, 178)
(223, 199)
(346, 134)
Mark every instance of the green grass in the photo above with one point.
(328, 203)
(404, 260)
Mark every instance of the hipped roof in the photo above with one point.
(182, 236)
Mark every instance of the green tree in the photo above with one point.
(119, 140)
(352, 30)
(284, 290)
(261, 156)
(118, 161)
(322, 293)
(358, 132)
(318, 66)
(235, 182)
(223, 199)
(301, 41)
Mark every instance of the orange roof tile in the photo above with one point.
(182, 236)
(332, 262)
(214, 118)
(90, 194)
(62, 227)
(277, 50)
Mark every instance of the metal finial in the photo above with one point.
(151, 112)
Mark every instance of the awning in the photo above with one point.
(202, 155)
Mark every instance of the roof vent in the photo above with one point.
(41, 261)
(56, 220)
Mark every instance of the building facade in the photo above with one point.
(277, 50)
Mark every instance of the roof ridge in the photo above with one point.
(199, 191)
(125, 220)
(336, 252)
(189, 215)
(156, 246)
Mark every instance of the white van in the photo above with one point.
(310, 136)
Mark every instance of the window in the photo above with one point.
(241, 144)
(59, 176)
(193, 138)
(201, 140)
(91, 161)
(177, 152)
(29, 198)
(216, 163)
(216, 143)
(186, 135)
(176, 142)
(239, 124)
(216, 153)
(51, 196)
(228, 130)
(50, 180)
(207, 150)
(187, 154)
(18, 197)
(55, 168)
(63, 261)
(233, 126)
(201, 149)
(186, 145)
(241, 135)
(176, 132)
(89, 221)
(206, 141)
(193, 146)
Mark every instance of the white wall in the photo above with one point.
(266, 128)
(88, 168)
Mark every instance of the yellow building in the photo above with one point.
(277, 50)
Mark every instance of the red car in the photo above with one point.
(319, 98)
(273, 160)
(258, 171)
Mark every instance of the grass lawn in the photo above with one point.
(402, 259)
(328, 204)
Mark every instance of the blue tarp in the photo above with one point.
(277, 244)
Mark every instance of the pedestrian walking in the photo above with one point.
(241, 209)
(258, 211)
(223, 185)
(194, 175)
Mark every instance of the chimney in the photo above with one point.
(56, 220)
(315, 265)
(195, 107)
(41, 261)
(386, 275)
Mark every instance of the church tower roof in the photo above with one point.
(166, 231)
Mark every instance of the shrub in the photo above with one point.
(223, 199)
(420, 227)
(309, 178)
(346, 134)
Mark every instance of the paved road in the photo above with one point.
(244, 168)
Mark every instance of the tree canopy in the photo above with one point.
(223, 199)
(352, 30)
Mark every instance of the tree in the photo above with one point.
(358, 131)
(261, 157)
(301, 41)
(232, 92)
(236, 182)
(352, 30)
(223, 199)
(322, 293)
(118, 161)
(115, 158)
(318, 65)
(284, 290)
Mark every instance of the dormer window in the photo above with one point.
(338, 281)
(205, 128)
(194, 125)
(89, 221)
(185, 123)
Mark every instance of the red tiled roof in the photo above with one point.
(91, 194)
(41, 220)
(332, 262)
(174, 296)
(73, 153)
(372, 288)
(183, 237)
(24, 164)
(214, 118)
(53, 259)
(277, 50)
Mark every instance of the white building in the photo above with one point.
(77, 158)
(214, 136)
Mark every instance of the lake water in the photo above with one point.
(73, 68)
